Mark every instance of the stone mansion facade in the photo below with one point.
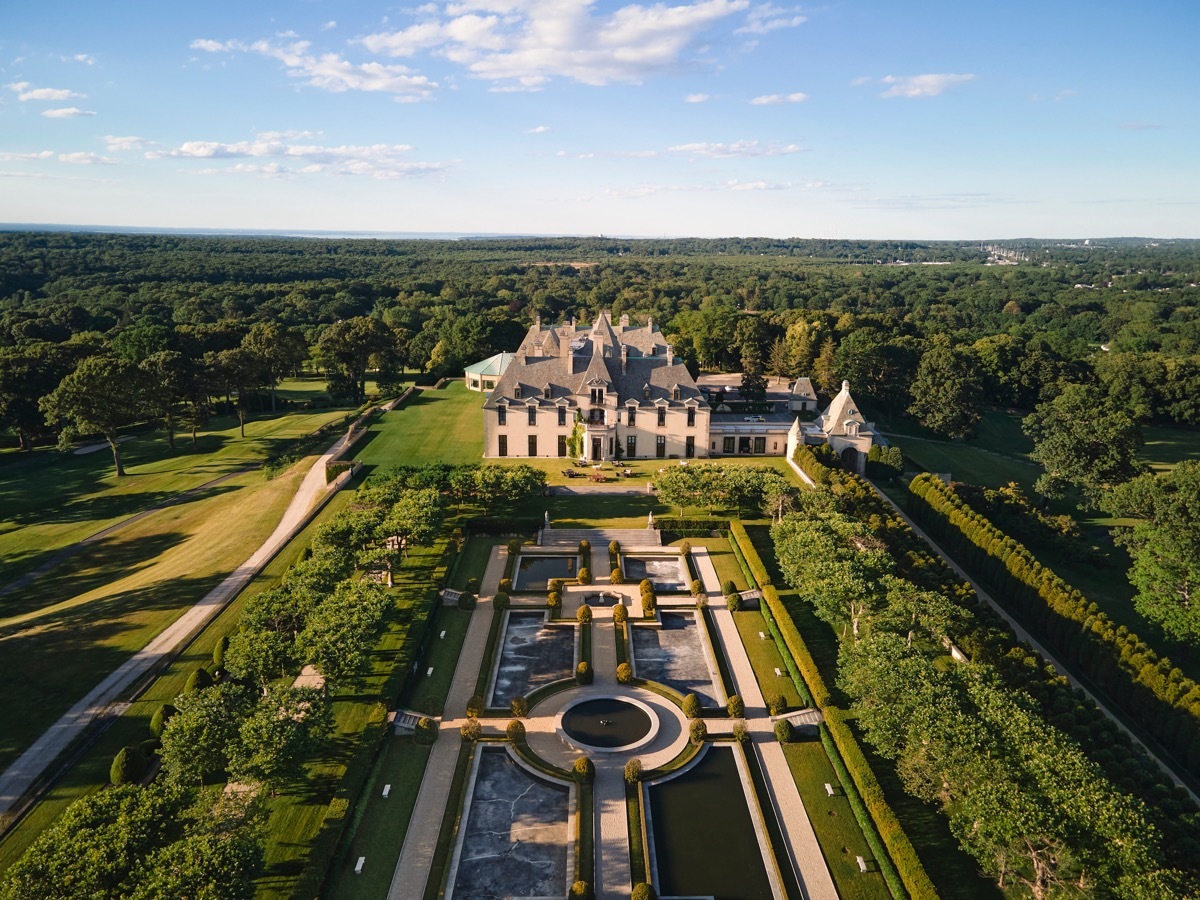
(632, 399)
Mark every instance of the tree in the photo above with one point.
(948, 391)
(198, 740)
(349, 347)
(341, 631)
(260, 655)
(102, 396)
(210, 863)
(1083, 440)
(754, 383)
(128, 766)
(286, 728)
(28, 373)
(1165, 546)
(415, 518)
(241, 372)
(825, 374)
(166, 378)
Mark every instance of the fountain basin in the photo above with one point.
(607, 724)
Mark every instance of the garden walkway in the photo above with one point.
(30, 767)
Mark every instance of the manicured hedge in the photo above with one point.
(689, 527)
(1145, 686)
(747, 552)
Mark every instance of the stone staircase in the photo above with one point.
(600, 538)
(406, 721)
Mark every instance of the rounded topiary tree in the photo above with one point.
(691, 706)
(555, 585)
(735, 707)
(159, 720)
(471, 730)
(505, 586)
(516, 731)
(740, 734)
(585, 546)
(500, 602)
(583, 673)
(585, 575)
(519, 707)
(776, 704)
(620, 614)
(734, 602)
(633, 770)
(584, 770)
(473, 585)
(729, 587)
(466, 600)
(615, 576)
(784, 732)
(219, 652)
(554, 600)
(646, 586)
(583, 615)
(426, 731)
(128, 766)
(475, 706)
(685, 548)
(614, 547)
(642, 891)
(581, 890)
(198, 681)
(697, 731)
(697, 586)
(514, 546)
(624, 673)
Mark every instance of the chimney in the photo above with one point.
(650, 323)
(624, 357)
(670, 355)
(845, 387)
(624, 321)
(537, 323)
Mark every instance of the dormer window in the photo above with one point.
(852, 429)
(675, 393)
(546, 392)
(645, 392)
(517, 391)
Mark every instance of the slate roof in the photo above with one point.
(842, 409)
(803, 390)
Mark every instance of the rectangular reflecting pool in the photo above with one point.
(666, 573)
(533, 573)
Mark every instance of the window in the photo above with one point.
(675, 393)
(633, 415)
(760, 445)
(728, 445)
(562, 445)
(562, 415)
(691, 418)
(662, 416)
(546, 392)
(743, 445)
(631, 446)
(645, 392)
(598, 396)
(689, 446)
(488, 384)
(502, 415)
(533, 415)
(517, 391)
(532, 445)
(503, 451)
(660, 446)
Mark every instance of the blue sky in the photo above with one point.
(691, 117)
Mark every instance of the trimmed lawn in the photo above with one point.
(1165, 447)
(473, 560)
(723, 561)
(118, 594)
(430, 426)
(765, 659)
(832, 819)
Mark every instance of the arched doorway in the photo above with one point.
(850, 460)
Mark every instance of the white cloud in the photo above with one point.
(67, 112)
(736, 150)
(209, 46)
(538, 129)
(115, 144)
(532, 41)
(697, 98)
(921, 85)
(86, 58)
(758, 185)
(331, 24)
(766, 18)
(861, 80)
(374, 160)
(80, 158)
(13, 157)
(1066, 94)
(26, 91)
(777, 99)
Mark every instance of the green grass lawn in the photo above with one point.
(472, 561)
(431, 426)
(765, 659)
(833, 821)
(51, 499)
(722, 558)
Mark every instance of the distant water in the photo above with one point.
(281, 233)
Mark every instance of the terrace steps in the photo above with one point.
(600, 538)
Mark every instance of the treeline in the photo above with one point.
(964, 735)
(1145, 686)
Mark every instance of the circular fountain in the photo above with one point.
(608, 724)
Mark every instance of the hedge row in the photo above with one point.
(685, 527)
(1147, 687)
(908, 866)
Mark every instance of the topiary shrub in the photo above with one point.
(584, 770)
(426, 731)
(475, 706)
(514, 546)
(554, 585)
(159, 720)
(697, 731)
(505, 586)
(471, 731)
(685, 548)
(128, 766)
(500, 602)
(691, 706)
(642, 891)
(624, 673)
(583, 615)
(776, 704)
(735, 707)
(583, 673)
(646, 586)
(614, 547)
(554, 600)
(633, 770)
(516, 731)
(585, 546)
(473, 585)
(729, 587)
(150, 749)
(784, 732)
(740, 734)
(519, 707)
(466, 601)
(585, 575)
(219, 652)
(581, 890)
(733, 602)
(615, 576)
(697, 586)
(620, 614)
(198, 681)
